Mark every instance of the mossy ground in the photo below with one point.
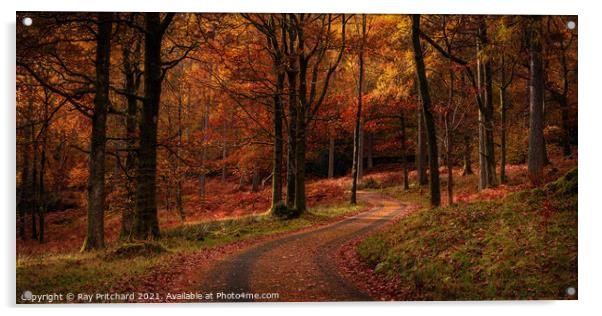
(523, 246)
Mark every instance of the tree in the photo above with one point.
(426, 112)
(536, 75)
(482, 86)
(146, 223)
(487, 177)
(421, 150)
(132, 74)
(96, 181)
(274, 28)
(355, 173)
(310, 98)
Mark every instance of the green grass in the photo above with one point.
(100, 271)
(521, 247)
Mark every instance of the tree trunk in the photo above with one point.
(291, 153)
(503, 178)
(146, 223)
(487, 176)
(131, 86)
(421, 154)
(428, 117)
(25, 192)
(357, 131)
(360, 159)
(203, 176)
(178, 174)
(331, 157)
(96, 179)
(34, 186)
(449, 141)
(42, 194)
(536, 151)
(42, 187)
(564, 107)
(404, 161)
(278, 141)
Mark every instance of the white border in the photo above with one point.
(590, 117)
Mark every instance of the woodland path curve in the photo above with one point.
(301, 266)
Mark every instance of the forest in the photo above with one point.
(151, 145)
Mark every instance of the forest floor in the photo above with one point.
(508, 243)
(308, 258)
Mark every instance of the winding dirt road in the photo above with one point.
(301, 266)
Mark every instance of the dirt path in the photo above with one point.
(299, 267)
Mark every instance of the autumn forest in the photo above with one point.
(296, 157)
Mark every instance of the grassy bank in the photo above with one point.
(523, 246)
(100, 271)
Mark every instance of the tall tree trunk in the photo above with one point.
(131, 86)
(450, 170)
(536, 151)
(421, 153)
(564, 107)
(24, 189)
(33, 176)
(42, 183)
(179, 203)
(42, 187)
(487, 172)
(357, 131)
(291, 152)
(331, 157)
(428, 117)
(360, 159)
(25, 192)
(34, 189)
(146, 222)
(278, 141)
(96, 179)
(449, 141)
(404, 160)
(503, 105)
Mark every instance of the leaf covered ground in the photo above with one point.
(522, 246)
